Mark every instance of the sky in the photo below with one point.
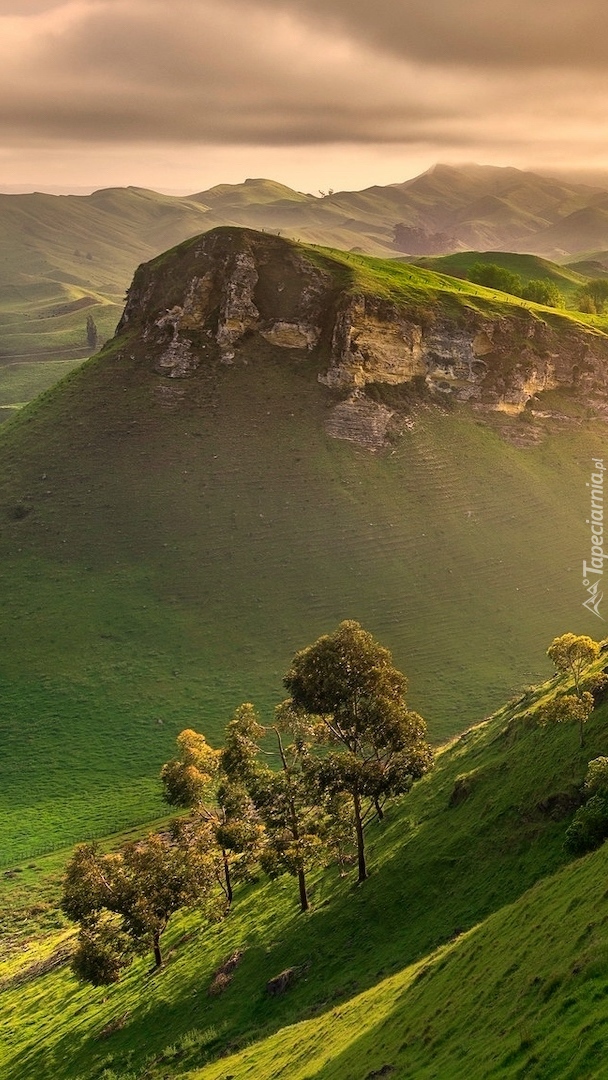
(178, 96)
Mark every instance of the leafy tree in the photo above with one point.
(589, 826)
(212, 783)
(569, 709)
(495, 277)
(348, 683)
(104, 950)
(92, 334)
(293, 817)
(130, 895)
(587, 304)
(596, 781)
(187, 780)
(572, 654)
(593, 296)
(543, 292)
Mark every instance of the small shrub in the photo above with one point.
(589, 827)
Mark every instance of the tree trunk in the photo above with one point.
(227, 877)
(379, 810)
(158, 960)
(360, 840)
(581, 734)
(304, 905)
(295, 827)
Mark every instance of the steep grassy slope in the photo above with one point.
(167, 545)
(523, 994)
(22, 381)
(443, 963)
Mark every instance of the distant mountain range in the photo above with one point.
(65, 256)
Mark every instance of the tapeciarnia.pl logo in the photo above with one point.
(593, 571)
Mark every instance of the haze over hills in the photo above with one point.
(63, 257)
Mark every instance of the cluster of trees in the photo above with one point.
(592, 299)
(539, 291)
(572, 655)
(287, 797)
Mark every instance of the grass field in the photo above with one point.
(22, 381)
(471, 950)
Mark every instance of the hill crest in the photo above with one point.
(372, 325)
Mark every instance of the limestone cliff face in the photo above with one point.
(212, 298)
(220, 290)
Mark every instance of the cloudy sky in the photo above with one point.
(178, 95)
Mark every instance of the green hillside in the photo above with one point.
(568, 279)
(472, 950)
(167, 544)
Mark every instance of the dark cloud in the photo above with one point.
(518, 79)
(138, 70)
(478, 33)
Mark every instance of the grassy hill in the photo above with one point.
(67, 256)
(474, 949)
(570, 280)
(168, 544)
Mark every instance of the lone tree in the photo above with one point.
(377, 746)
(572, 654)
(92, 335)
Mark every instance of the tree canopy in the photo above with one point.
(347, 684)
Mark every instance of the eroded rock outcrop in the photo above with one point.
(214, 297)
(226, 286)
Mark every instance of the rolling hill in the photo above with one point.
(569, 279)
(280, 437)
(63, 257)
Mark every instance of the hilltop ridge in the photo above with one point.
(372, 325)
(60, 250)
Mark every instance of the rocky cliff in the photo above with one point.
(211, 299)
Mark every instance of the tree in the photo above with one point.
(493, 276)
(293, 818)
(568, 708)
(544, 292)
(572, 654)
(92, 335)
(213, 784)
(593, 296)
(123, 900)
(377, 748)
(589, 827)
